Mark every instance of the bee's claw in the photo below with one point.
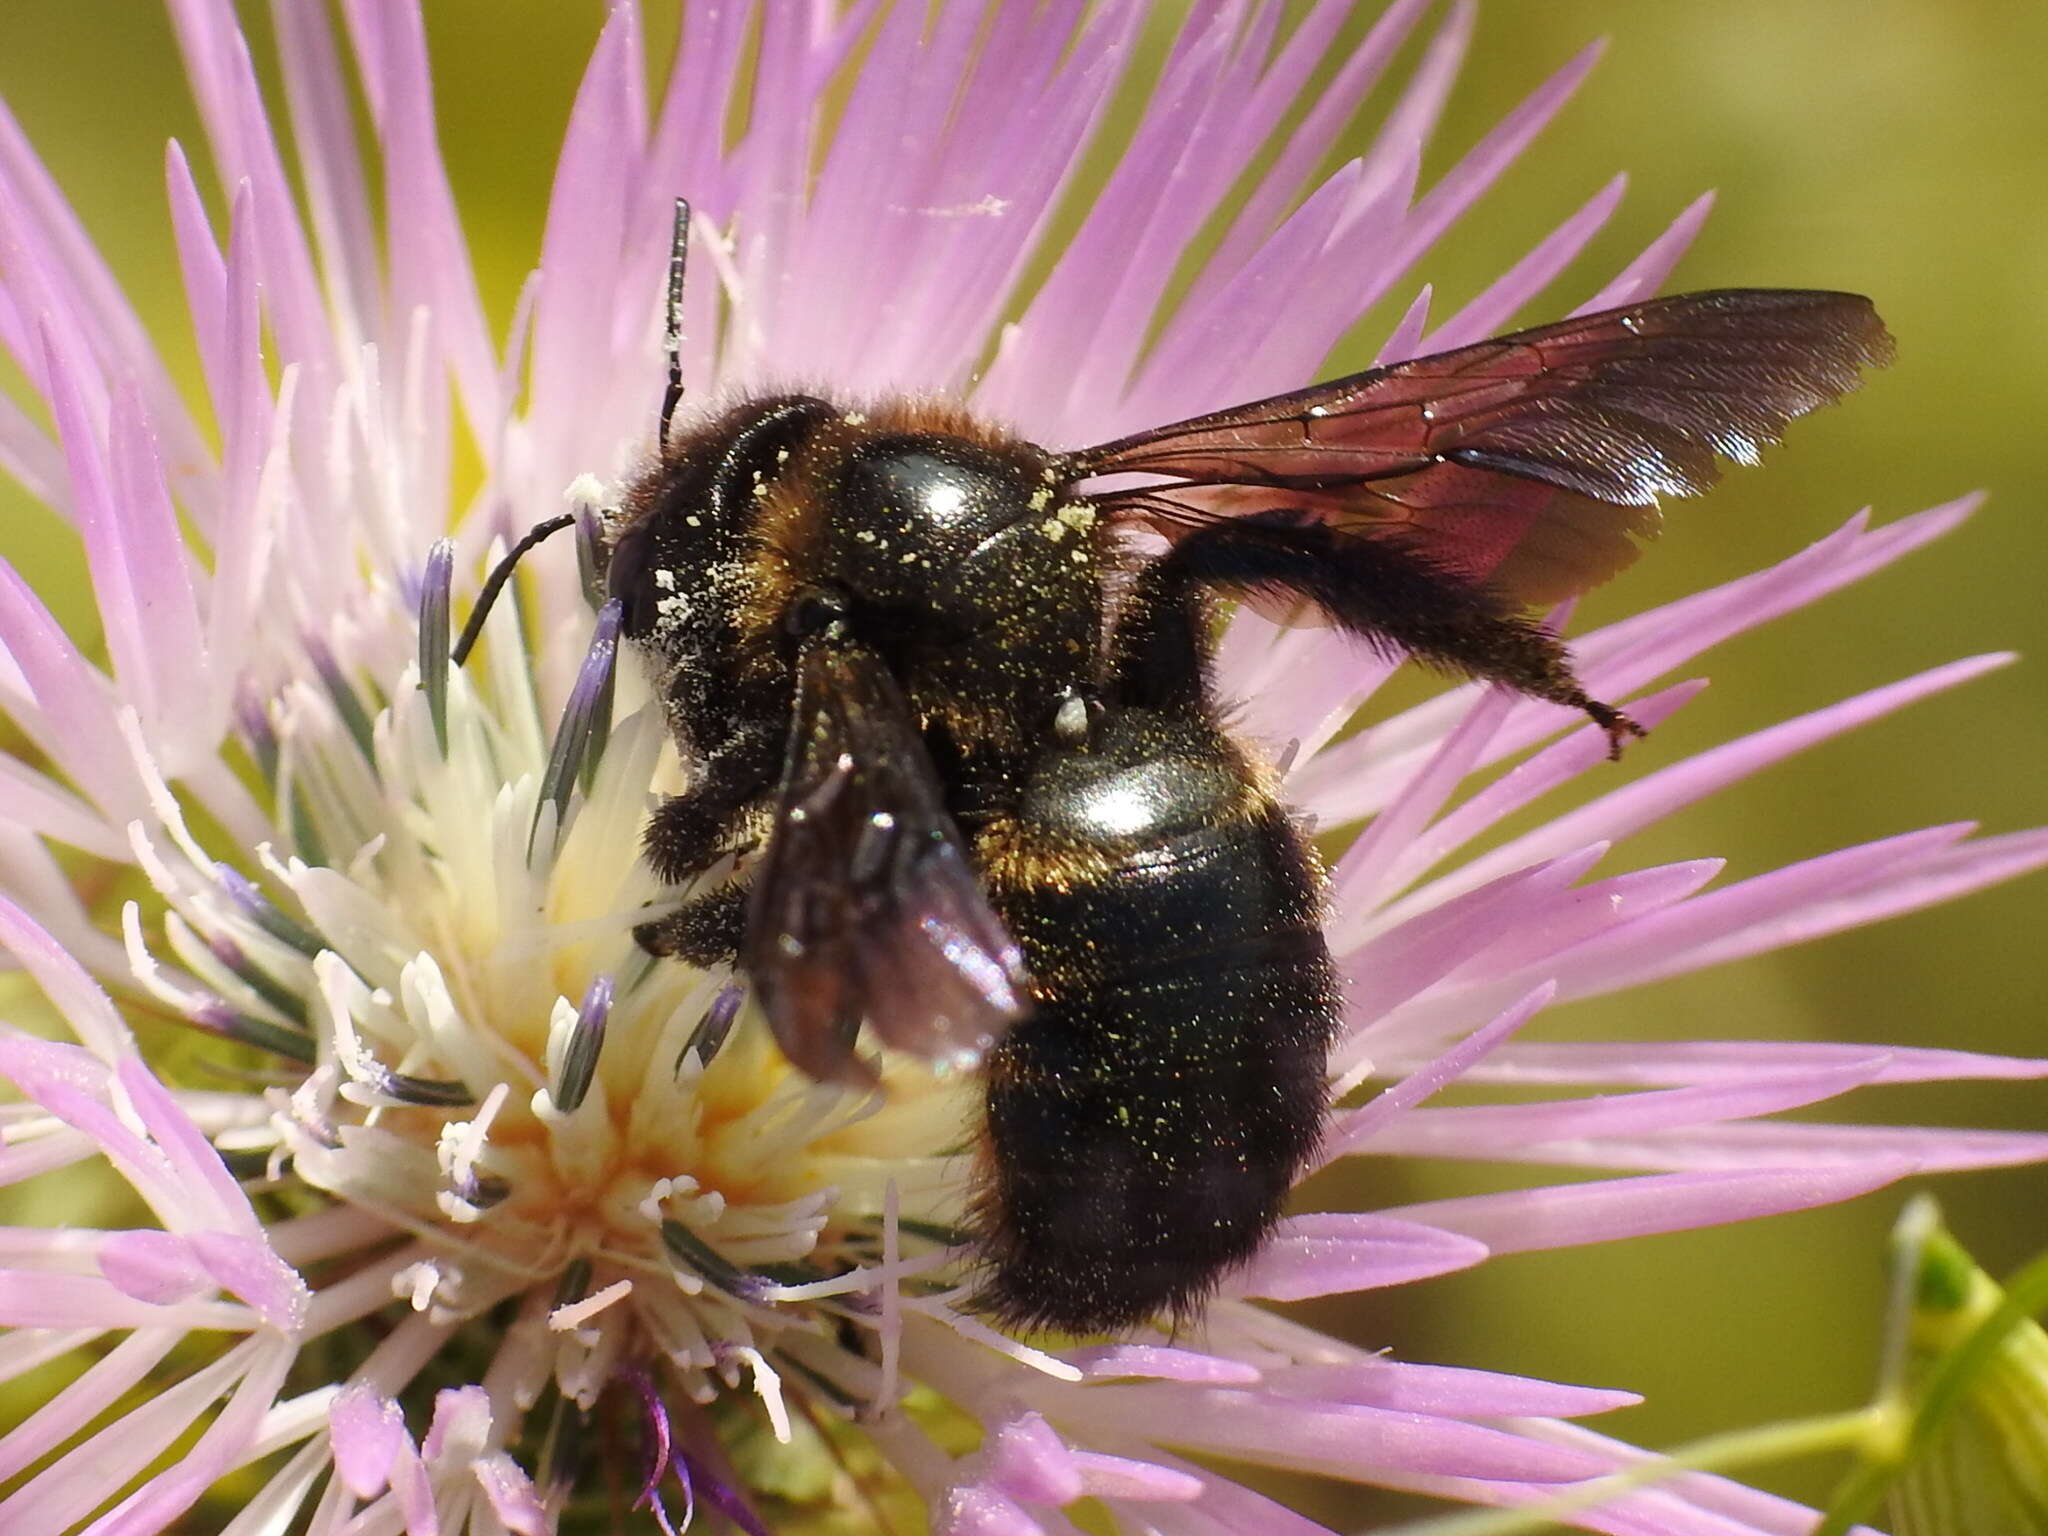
(1618, 726)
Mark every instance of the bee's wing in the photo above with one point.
(1521, 463)
(865, 907)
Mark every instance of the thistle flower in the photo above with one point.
(507, 1195)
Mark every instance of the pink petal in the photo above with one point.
(1230, 1508)
(1108, 1361)
(1186, 372)
(367, 1431)
(1484, 163)
(218, 1450)
(27, 454)
(1483, 1130)
(152, 1266)
(34, 1300)
(1110, 274)
(512, 1495)
(412, 1490)
(1523, 784)
(72, 718)
(202, 267)
(1120, 1477)
(978, 1511)
(1338, 1440)
(1496, 305)
(1775, 1144)
(1645, 275)
(1444, 1390)
(1720, 924)
(187, 1151)
(1312, 140)
(1589, 913)
(429, 258)
(21, 1353)
(1412, 956)
(88, 293)
(573, 337)
(251, 426)
(686, 142)
(46, 1154)
(1349, 1128)
(1359, 876)
(877, 204)
(1330, 1252)
(1938, 875)
(182, 703)
(1024, 156)
(86, 1008)
(1523, 1221)
(248, 1268)
(1403, 342)
(1533, 945)
(1621, 812)
(229, 101)
(461, 1422)
(60, 1496)
(95, 1390)
(1026, 1460)
(1697, 1490)
(323, 131)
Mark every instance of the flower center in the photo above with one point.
(488, 1062)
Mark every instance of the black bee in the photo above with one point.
(990, 807)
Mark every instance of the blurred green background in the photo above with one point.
(1894, 147)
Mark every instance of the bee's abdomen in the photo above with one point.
(1147, 1120)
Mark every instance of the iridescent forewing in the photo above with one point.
(866, 908)
(1525, 462)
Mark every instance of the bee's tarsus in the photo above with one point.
(1620, 728)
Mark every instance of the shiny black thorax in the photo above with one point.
(948, 549)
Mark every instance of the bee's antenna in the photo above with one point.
(495, 583)
(678, 251)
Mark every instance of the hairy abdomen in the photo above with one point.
(1147, 1120)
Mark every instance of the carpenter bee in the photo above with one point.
(985, 798)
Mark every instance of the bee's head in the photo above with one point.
(701, 506)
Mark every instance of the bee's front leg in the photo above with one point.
(706, 930)
(725, 814)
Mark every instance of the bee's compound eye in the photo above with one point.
(814, 611)
(628, 576)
